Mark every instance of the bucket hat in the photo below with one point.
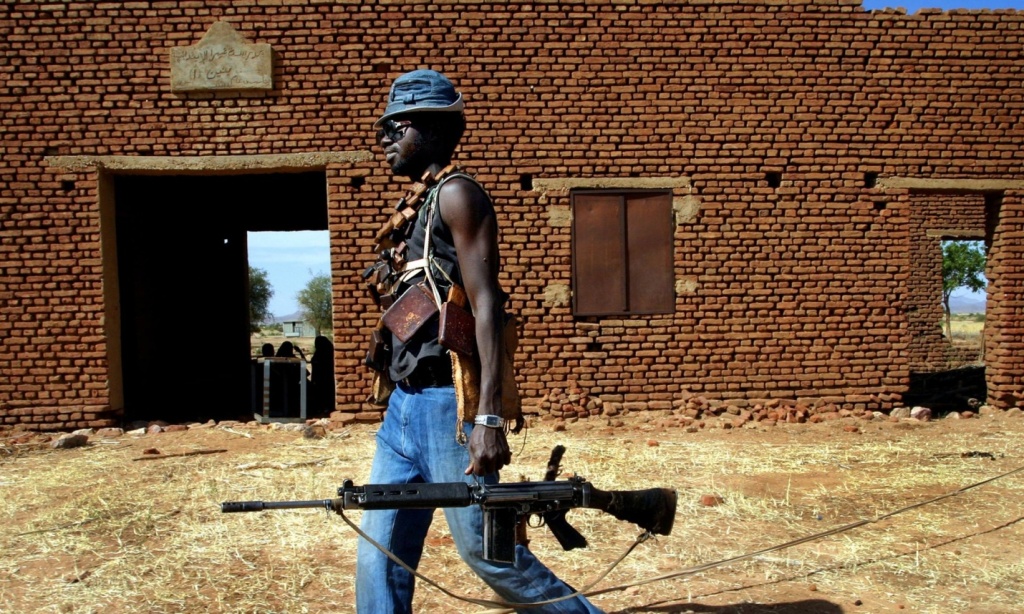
(421, 91)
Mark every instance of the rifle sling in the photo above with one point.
(487, 602)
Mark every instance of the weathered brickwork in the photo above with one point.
(795, 268)
(1004, 324)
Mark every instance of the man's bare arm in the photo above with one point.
(469, 214)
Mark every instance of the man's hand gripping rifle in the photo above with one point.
(503, 506)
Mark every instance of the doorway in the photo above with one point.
(947, 371)
(181, 332)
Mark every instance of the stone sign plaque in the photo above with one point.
(222, 61)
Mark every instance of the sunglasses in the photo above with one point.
(394, 130)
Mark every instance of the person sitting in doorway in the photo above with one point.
(322, 376)
(285, 382)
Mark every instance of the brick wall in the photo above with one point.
(798, 291)
(1004, 332)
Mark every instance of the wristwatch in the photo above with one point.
(489, 420)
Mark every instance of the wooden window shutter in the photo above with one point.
(599, 254)
(649, 232)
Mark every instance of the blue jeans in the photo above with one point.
(416, 443)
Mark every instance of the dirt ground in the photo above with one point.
(133, 523)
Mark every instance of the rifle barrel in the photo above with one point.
(258, 506)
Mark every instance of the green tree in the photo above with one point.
(963, 266)
(316, 304)
(260, 293)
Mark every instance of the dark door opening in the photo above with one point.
(948, 390)
(183, 279)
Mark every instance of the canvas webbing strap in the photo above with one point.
(503, 606)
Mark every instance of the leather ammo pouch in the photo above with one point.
(377, 354)
(410, 312)
(457, 328)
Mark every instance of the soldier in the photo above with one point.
(449, 238)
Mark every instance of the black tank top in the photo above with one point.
(424, 345)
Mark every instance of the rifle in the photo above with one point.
(503, 506)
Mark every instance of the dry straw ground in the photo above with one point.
(109, 528)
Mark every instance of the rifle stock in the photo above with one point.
(653, 509)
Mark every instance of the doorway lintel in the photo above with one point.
(208, 164)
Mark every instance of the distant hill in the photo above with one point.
(966, 304)
(291, 317)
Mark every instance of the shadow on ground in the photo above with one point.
(808, 606)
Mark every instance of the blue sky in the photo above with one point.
(912, 6)
(291, 259)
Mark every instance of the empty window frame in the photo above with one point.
(622, 260)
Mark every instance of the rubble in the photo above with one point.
(688, 412)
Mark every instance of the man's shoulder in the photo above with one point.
(461, 178)
(463, 187)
